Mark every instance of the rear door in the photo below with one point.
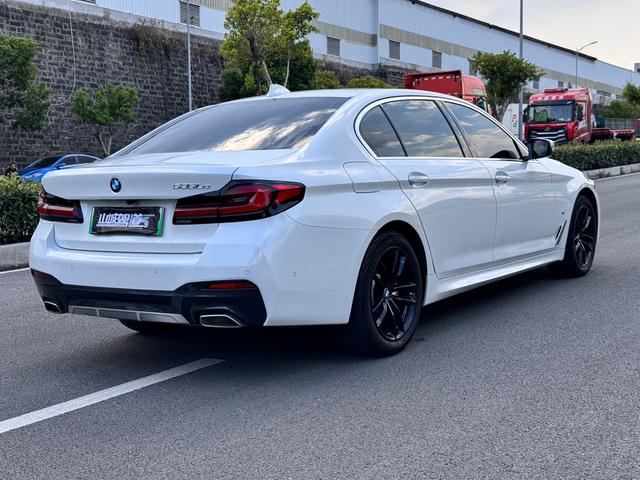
(451, 193)
(527, 220)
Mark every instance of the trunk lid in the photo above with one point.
(145, 181)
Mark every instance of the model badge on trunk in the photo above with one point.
(191, 186)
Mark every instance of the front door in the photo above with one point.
(527, 221)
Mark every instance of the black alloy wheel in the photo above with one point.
(581, 241)
(584, 238)
(393, 294)
(388, 297)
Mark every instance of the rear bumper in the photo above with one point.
(305, 275)
(243, 307)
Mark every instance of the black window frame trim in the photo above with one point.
(474, 153)
(381, 101)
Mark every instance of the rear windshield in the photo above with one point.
(265, 124)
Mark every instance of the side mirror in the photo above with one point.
(541, 148)
(61, 165)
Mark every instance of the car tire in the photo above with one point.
(580, 248)
(150, 328)
(387, 300)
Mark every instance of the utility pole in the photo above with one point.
(578, 50)
(521, 93)
(189, 52)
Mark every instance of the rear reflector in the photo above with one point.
(58, 209)
(239, 200)
(44, 277)
(230, 285)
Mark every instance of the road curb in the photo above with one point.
(15, 255)
(612, 171)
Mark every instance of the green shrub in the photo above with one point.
(325, 79)
(18, 216)
(367, 81)
(598, 155)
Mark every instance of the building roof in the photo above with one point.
(501, 29)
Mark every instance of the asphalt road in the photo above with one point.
(532, 377)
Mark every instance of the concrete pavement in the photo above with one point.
(532, 377)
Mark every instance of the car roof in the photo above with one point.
(359, 92)
(369, 93)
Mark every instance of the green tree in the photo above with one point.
(325, 80)
(621, 109)
(367, 81)
(22, 98)
(631, 94)
(626, 107)
(268, 45)
(504, 74)
(111, 109)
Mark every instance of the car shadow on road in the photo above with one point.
(320, 342)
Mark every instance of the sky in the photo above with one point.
(573, 23)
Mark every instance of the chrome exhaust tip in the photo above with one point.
(219, 320)
(52, 306)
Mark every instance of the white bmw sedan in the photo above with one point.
(338, 207)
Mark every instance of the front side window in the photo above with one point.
(378, 133)
(44, 162)
(263, 124)
(487, 139)
(422, 128)
(82, 160)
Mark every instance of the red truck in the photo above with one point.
(565, 115)
(451, 82)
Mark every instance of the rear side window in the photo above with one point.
(378, 133)
(265, 124)
(487, 139)
(423, 129)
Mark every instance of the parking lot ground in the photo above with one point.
(530, 377)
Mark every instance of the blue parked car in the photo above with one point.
(36, 170)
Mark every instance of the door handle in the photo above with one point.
(502, 177)
(418, 179)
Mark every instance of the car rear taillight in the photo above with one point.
(238, 201)
(58, 209)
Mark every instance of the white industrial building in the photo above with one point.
(409, 34)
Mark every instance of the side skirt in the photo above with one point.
(437, 289)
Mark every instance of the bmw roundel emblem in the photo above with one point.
(115, 185)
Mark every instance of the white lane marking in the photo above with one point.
(13, 271)
(102, 395)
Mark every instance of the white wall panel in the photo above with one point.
(361, 19)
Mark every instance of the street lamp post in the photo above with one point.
(189, 53)
(578, 50)
(521, 93)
